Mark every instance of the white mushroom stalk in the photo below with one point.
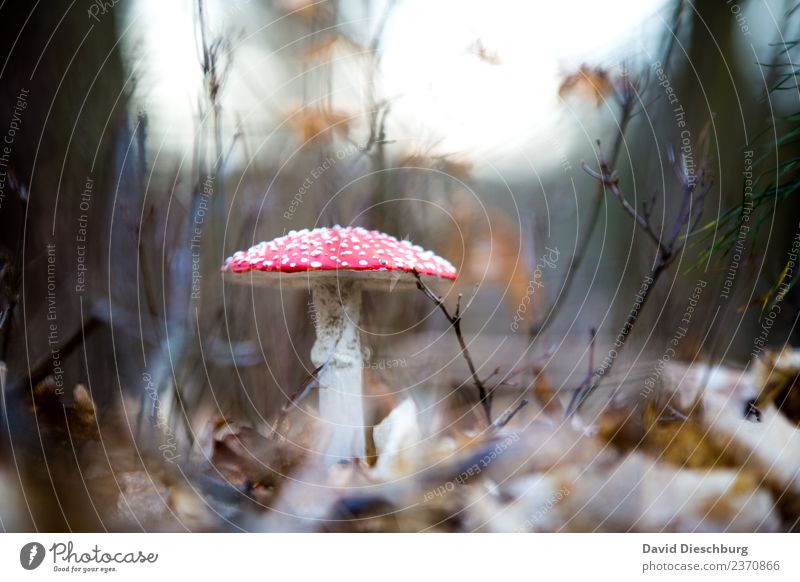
(337, 352)
(336, 264)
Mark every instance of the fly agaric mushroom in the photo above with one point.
(336, 264)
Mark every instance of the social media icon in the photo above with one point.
(31, 555)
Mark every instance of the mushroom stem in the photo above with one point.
(337, 310)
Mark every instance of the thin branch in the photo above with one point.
(674, 414)
(627, 102)
(506, 417)
(674, 31)
(299, 395)
(587, 381)
(610, 179)
(305, 388)
(589, 385)
(378, 109)
(648, 207)
(44, 366)
(690, 211)
(484, 395)
(494, 373)
(377, 36)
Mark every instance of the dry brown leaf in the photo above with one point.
(587, 82)
(777, 376)
(52, 409)
(306, 11)
(664, 432)
(478, 49)
(318, 124)
(634, 494)
(332, 45)
(766, 445)
(496, 256)
(545, 394)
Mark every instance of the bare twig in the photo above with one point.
(378, 110)
(305, 388)
(506, 417)
(647, 207)
(674, 415)
(298, 395)
(610, 179)
(674, 31)
(691, 209)
(44, 366)
(590, 374)
(377, 36)
(626, 97)
(592, 343)
(494, 373)
(484, 395)
(377, 132)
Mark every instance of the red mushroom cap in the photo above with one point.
(339, 249)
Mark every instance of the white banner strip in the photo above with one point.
(401, 557)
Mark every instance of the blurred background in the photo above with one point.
(145, 141)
